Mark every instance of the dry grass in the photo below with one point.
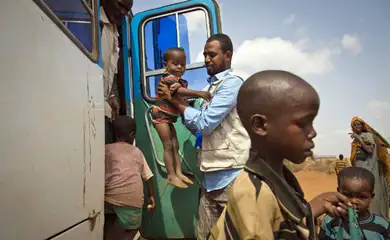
(324, 165)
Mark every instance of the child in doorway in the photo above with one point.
(340, 164)
(358, 185)
(277, 109)
(125, 169)
(164, 114)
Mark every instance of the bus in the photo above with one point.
(52, 122)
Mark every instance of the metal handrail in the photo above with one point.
(158, 161)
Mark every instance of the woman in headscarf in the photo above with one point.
(369, 151)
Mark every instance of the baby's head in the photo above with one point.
(358, 185)
(341, 157)
(175, 61)
(277, 109)
(124, 129)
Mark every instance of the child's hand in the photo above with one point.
(151, 204)
(332, 203)
(205, 95)
(174, 87)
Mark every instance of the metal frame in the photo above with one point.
(196, 65)
(94, 55)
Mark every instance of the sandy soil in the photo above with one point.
(314, 183)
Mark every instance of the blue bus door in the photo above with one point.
(187, 24)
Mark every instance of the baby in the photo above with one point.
(164, 114)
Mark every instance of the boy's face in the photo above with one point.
(176, 63)
(358, 191)
(292, 132)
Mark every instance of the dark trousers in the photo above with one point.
(108, 130)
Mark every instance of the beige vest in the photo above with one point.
(228, 145)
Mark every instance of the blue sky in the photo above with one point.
(341, 47)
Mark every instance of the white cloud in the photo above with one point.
(196, 21)
(378, 108)
(351, 43)
(290, 19)
(334, 142)
(197, 32)
(276, 53)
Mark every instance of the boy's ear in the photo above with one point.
(259, 124)
(165, 63)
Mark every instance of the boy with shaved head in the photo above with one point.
(277, 108)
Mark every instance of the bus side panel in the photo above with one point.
(51, 128)
(83, 231)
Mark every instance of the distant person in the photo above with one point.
(222, 142)
(358, 185)
(111, 13)
(164, 114)
(340, 164)
(277, 108)
(369, 151)
(126, 170)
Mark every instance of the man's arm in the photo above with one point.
(224, 100)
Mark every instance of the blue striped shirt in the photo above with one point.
(374, 228)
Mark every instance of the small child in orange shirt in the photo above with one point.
(164, 114)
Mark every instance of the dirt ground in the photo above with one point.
(314, 183)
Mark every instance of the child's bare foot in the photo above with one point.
(184, 178)
(175, 181)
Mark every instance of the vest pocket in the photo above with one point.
(215, 144)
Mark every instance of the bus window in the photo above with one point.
(192, 31)
(77, 18)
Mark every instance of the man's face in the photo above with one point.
(292, 132)
(215, 59)
(116, 9)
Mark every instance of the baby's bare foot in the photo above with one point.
(175, 181)
(184, 178)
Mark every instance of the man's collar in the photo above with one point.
(288, 192)
(218, 76)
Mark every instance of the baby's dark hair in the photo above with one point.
(124, 126)
(168, 52)
(356, 172)
(341, 156)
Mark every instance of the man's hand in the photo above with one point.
(114, 104)
(332, 203)
(163, 90)
(151, 204)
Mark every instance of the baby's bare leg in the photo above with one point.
(165, 134)
(177, 159)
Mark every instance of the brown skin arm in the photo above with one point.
(192, 93)
(151, 201)
(165, 92)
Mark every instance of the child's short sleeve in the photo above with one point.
(146, 173)
(183, 83)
